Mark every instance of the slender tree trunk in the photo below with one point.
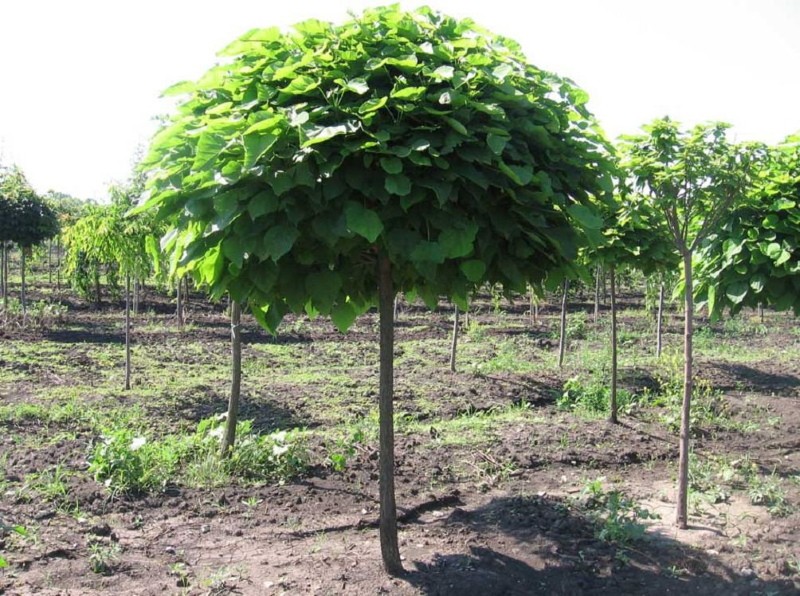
(97, 287)
(761, 311)
(396, 298)
(605, 287)
(530, 304)
(597, 271)
(390, 551)
(2, 269)
(454, 344)
(50, 261)
(58, 263)
(613, 275)
(136, 296)
(4, 274)
(22, 292)
(127, 331)
(179, 297)
(660, 320)
(562, 339)
(229, 438)
(682, 518)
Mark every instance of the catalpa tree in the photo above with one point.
(324, 169)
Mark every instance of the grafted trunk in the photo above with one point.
(612, 280)
(597, 273)
(22, 292)
(127, 331)
(562, 338)
(179, 299)
(682, 517)
(660, 320)
(390, 551)
(229, 438)
(454, 344)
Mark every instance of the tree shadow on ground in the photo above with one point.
(196, 406)
(542, 545)
(729, 376)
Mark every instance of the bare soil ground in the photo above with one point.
(493, 506)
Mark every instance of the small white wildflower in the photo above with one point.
(137, 443)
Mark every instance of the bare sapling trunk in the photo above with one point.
(396, 299)
(50, 261)
(136, 296)
(597, 271)
(454, 344)
(612, 281)
(97, 287)
(3, 270)
(229, 438)
(22, 290)
(390, 551)
(4, 274)
(127, 331)
(179, 300)
(562, 338)
(58, 263)
(682, 518)
(761, 312)
(660, 320)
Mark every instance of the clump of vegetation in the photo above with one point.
(40, 314)
(127, 462)
(618, 519)
(344, 448)
(592, 398)
(4, 529)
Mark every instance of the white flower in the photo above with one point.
(137, 442)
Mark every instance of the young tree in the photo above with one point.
(24, 218)
(325, 169)
(693, 178)
(752, 259)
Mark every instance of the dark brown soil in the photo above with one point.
(466, 526)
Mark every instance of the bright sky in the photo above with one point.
(80, 80)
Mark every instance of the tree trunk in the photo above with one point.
(660, 320)
(229, 439)
(179, 297)
(58, 263)
(136, 296)
(761, 312)
(50, 261)
(562, 338)
(454, 344)
(97, 287)
(597, 272)
(682, 518)
(612, 275)
(22, 292)
(2, 269)
(390, 551)
(127, 331)
(396, 298)
(4, 274)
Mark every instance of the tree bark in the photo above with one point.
(97, 287)
(454, 344)
(136, 296)
(229, 438)
(682, 518)
(761, 311)
(597, 272)
(562, 339)
(179, 297)
(612, 275)
(3, 269)
(50, 261)
(390, 551)
(127, 331)
(4, 274)
(660, 320)
(22, 291)
(58, 263)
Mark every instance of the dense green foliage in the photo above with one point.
(290, 165)
(25, 219)
(753, 257)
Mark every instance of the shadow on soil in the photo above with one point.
(740, 376)
(541, 545)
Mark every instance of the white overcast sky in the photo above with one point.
(80, 79)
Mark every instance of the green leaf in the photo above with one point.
(585, 216)
(456, 125)
(358, 85)
(323, 287)
(473, 270)
(757, 283)
(430, 252)
(372, 105)
(233, 249)
(278, 241)
(408, 93)
(737, 292)
(502, 71)
(209, 146)
(522, 175)
(343, 315)
(496, 143)
(364, 222)
(320, 134)
(443, 72)
(397, 184)
(255, 145)
(263, 203)
(301, 85)
(458, 242)
(267, 124)
(391, 165)
(211, 265)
